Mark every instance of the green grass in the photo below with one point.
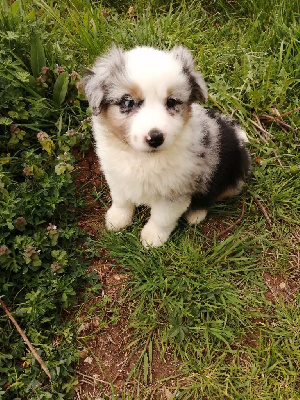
(199, 296)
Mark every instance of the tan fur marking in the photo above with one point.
(187, 112)
(115, 123)
(134, 91)
(232, 191)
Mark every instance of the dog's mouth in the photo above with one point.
(153, 151)
(149, 150)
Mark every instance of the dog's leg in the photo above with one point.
(194, 217)
(120, 213)
(163, 219)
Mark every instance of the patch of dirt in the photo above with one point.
(223, 228)
(92, 189)
(115, 360)
(280, 288)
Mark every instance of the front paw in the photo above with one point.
(154, 236)
(117, 218)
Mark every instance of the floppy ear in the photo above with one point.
(93, 91)
(198, 86)
(99, 78)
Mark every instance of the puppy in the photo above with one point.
(156, 145)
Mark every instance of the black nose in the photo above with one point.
(155, 138)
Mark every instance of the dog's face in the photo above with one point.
(144, 95)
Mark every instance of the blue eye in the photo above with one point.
(127, 102)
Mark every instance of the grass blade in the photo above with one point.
(38, 58)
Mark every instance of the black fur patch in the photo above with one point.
(234, 164)
(196, 92)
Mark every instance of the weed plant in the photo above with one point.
(41, 266)
(200, 295)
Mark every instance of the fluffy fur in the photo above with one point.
(156, 145)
